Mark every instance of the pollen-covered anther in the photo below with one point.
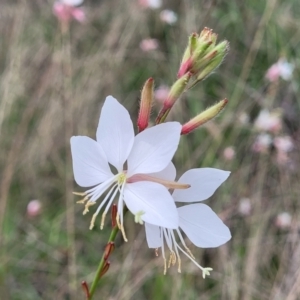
(121, 227)
(165, 266)
(172, 259)
(93, 221)
(82, 201)
(102, 220)
(179, 265)
(87, 205)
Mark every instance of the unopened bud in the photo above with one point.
(105, 268)
(85, 289)
(109, 248)
(203, 117)
(211, 60)
(145, 105)
(176, 91)
(186, 62)
(114, 211)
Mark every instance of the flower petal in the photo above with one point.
(154, 148)
(90, 165)
(153, 236)
(202, 226)
(168, 173)
(154, 200)
(204, 183)
(115, 132)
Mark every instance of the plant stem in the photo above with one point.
(97, 277)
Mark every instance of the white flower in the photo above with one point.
(72, 2)
(168, 16)
(201, 225)
(282, 68)
(146, 154)
(269, 121)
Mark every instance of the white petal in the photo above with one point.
(72, 2)
(154, 148)
(154, 200)
(115, 132)
(90, 164)
(153, 236)
(202, 226)
(168, 173)
(204, 183)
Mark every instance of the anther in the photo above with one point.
(86, 208)
(82, 201)
(93, 221)
(102, 220)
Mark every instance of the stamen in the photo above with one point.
(184, 245)
(86, 208)
(79, 194)
(121, 228)
(93, 221)
(102, 220)
(165, 266)
(179, 265)
(82, 201)
(156, 252)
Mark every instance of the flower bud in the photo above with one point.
(145, 105)
(212, 60)
(176, 91)
(202, 55)
(203, 117)
(186, 62)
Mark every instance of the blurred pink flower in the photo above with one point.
(161, 93)
(149, 44)
(281, 69)
(168, 16)
(66, 10)
(283, 143)
(229, 153)
(34, 208)
(283, 220)
(268, 121)
(154, 4)
(262, 143)
(245, 207)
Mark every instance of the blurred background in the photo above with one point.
(53, 81)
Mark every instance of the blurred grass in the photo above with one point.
(261, 261)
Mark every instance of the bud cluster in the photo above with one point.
(202, 55)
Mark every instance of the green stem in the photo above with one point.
(97, 277)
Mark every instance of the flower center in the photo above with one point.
(115, 184)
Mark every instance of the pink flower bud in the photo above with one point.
(149, 45)
(203, 117)
(145, 106)
(229, 153)
(65, 12)
(34, 208)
